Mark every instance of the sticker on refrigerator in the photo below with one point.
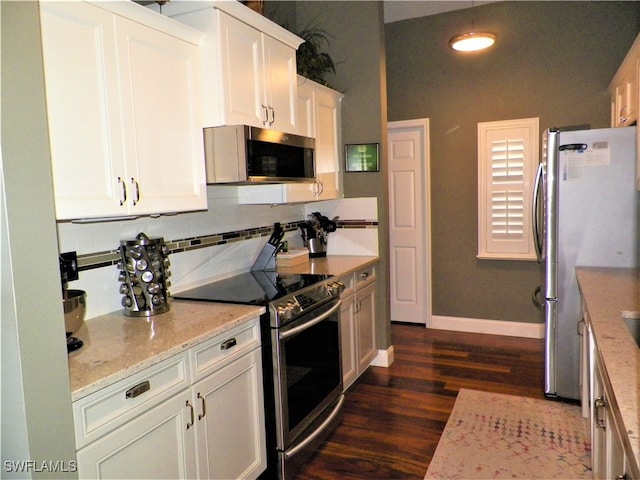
(597, 154)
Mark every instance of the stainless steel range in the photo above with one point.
(301, 358)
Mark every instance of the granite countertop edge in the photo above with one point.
(607, 292)
(117, 346)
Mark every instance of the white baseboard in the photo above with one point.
(384, 358)
(493, 327)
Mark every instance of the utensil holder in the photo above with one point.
(316, 247)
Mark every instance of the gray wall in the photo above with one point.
(357, 47)
(553, 60)
(37, 423)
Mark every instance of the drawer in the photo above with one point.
(101, 412)
(211, 355)
(365, 276)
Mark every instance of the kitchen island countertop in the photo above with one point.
(117, 346)
(606, 293)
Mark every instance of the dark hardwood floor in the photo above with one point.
(393, 417)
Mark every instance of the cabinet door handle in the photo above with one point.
(136, 189)
(227, 344)
(266, 115)
(204, 407)
(123, 198)
(190, 424)
(600, 404)
(581, 327)
(273, 116)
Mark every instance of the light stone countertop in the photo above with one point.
(607, 292)
(117, 346)
(337, 265)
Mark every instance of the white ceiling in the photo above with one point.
(395, 10)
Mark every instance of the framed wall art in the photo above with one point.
(362, 157)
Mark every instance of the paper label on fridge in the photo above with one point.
(598, 154)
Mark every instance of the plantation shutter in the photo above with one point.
(507, 158)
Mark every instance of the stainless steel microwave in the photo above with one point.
(241, 154)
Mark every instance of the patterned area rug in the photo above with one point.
(490, 435)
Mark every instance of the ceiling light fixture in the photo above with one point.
(472, 41)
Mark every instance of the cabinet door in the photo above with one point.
(626, 98)
(365, 319)
(156, 444)
(164, 147)
(82, 106)
(348, 341)
(306, 112)
(616, 457)
(281, 87)
(327, 107)
(598, 427)
(242, 75)
(230, 425)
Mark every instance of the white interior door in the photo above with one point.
(409, 221)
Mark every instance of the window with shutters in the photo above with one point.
(507, 161)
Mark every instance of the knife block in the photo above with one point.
(266, 259)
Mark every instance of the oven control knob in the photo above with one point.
(335, 288)
(287, 310)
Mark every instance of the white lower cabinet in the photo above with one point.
(199, 414)
(608, 458)
(357, 324)
(230, 421)
(155, 444)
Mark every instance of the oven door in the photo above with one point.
(307, 370)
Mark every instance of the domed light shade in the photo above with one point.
(470, 42)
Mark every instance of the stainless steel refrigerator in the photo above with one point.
(585, 209)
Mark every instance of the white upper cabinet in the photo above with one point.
(123, 111)
(319, 115)
(249, 65)
(623, 89)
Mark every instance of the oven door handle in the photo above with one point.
(290, 453)
(304, 326)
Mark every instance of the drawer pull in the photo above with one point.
(227, 344)
(364, 275)
(139, 389)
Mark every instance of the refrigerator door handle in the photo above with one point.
(535, 214)
(580, 147)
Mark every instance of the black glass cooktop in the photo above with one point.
(251, 288)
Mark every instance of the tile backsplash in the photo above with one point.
(211, 244)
